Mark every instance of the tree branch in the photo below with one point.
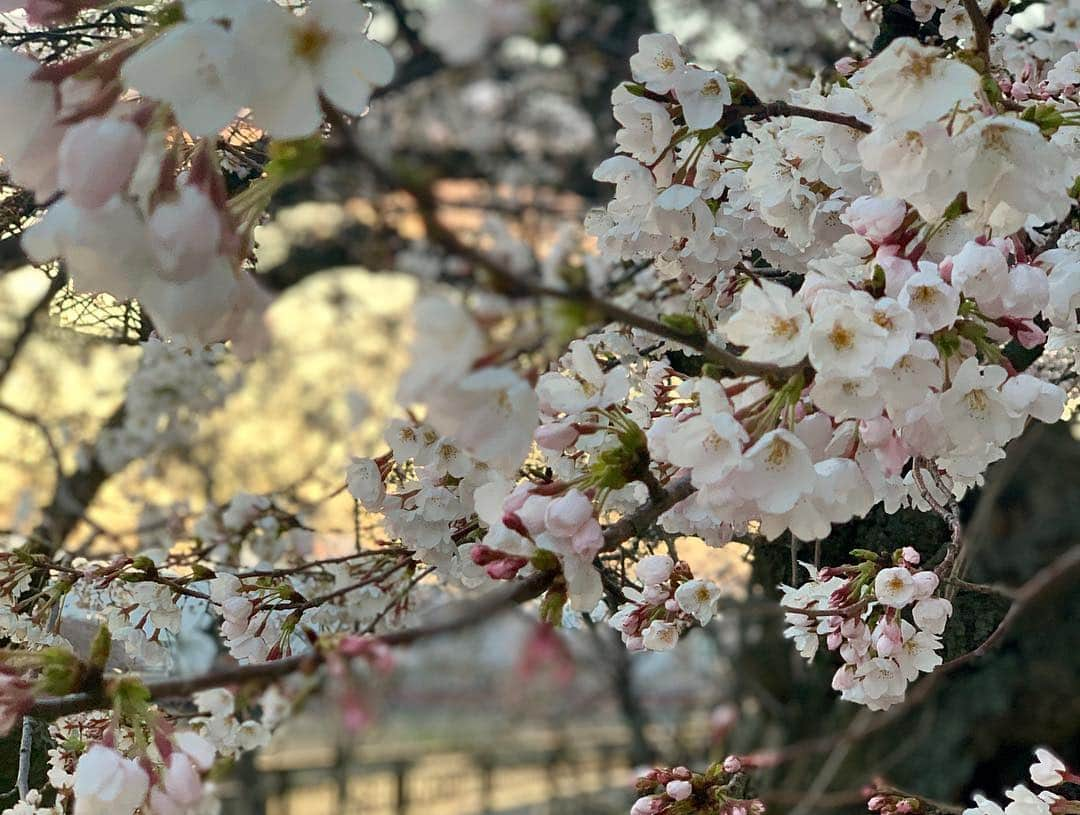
(511, 284)
(982, 29)
(638, 523)
(26, 746)
(1058, 573)
(467, 614)
(769, 109)
(29, 322)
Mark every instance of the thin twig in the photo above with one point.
(467, 615)
(820, 785)
(770, 109)
(26, 746)
(982, 30)
(949, 512)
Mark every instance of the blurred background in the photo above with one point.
(502, 106)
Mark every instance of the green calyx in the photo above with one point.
(1047, 117)
(617, 466)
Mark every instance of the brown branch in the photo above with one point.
(766, 110)
(43, 429)
(512, 284)
(982, 30)
(29, 323)
(638, 523)
(950, 513)
(1057, 573)
(72, 495)
(468, 614)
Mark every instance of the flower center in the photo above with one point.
(977, 402)
(883, 320)
(778, 453)
(309, 42)
(784, 328)
(923, 295)
(711, 88)
(920, 67)
(841, 337)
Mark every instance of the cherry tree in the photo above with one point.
(804, 301)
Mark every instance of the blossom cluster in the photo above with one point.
(120, 141)
(858, 611)
(818, 305)
(1049, 772)
(170, 391)
(892, 344)
(671, 600)
(722, 789)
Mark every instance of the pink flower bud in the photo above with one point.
(853, 628)
(682, 773)
(517, 497)
(876, 219)
(885, 646)
(186, 235)
(679, 790)
(505, 569)
(875, 803)
(723, 718)
(897, 269)
(96, 160)
(654, 569)
(875, 432)
(181, 780)
(483, 555)
(556, 436)
(926, 584)
(533, 514)
(843, 679)
(648, 805)
(513, 522)
(566, 514)
(589, 539)
(732, 764)
(1029, 335)
(910, 555)
(846, 66)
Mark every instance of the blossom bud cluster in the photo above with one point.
(167, 779)
(858, 612)
(671, 600)
(721, 789)
(166, 396)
